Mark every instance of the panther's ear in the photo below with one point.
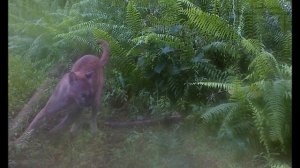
(72, 77)
(89, 74)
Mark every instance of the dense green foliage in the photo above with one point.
(223, 63)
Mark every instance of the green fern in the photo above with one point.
(90, 25)
(211, 24)
(219, 110)
(116, 48)
(278, 6)
(186, 3)
(133, 18)
(92, 15)
(285, 71)
(275, 104)
(225, 86)
(175, 87)
(263, 66)
(278, 105)
(279, 165)
(78, 37)
(287, 47)
(268, 102)
(162, 38)
(252, 46)
(251, 23)
(169, 13)
(259, 121)
(219, 46)
(216, 7)
(210, 72)
(120, 32)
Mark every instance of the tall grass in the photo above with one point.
(23, 79)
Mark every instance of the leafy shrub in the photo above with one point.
(262, 107)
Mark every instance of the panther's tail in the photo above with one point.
(105, 51)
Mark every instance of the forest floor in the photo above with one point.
(161, 146)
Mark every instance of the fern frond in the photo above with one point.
(175, 87)
(90, 25)
(119, 59)
(232, 124)
(275, 102)
(222, 109)
(169, 13)
(218, 45)
(145, 3)
(252, 22)
(259, 121)
(122, 33)
(225, 130)
(133, 18)
(285, 71)
(240, 124)
(160, 38)
(164, 29)
(221, 47)
(167, 36)
(213, 73)
(252, 46)
(116, 48)
(238, 93)
(280, 165)
(81, 38)
(263, 66)
(93, 15)
(287, 47)
(278, 6)
(254, 90)
(211, 24)
(225, 86)
(85, 4)
(216, 7)
(186, 3)
(38, 47)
